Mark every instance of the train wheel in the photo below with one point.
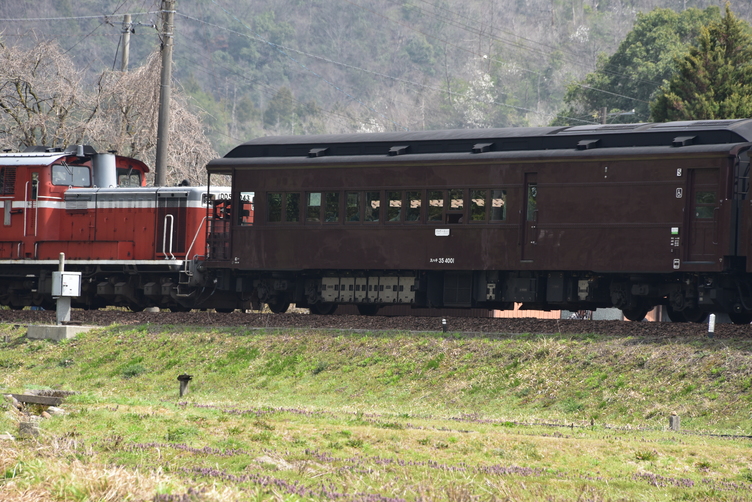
(636, 314)
(279, 306)
(695, 315)
(178, 308)
(368, 309)
(136, 308)
(225, 310)
(740, 318)
(323, 308)
(16, 307)
(675, 315)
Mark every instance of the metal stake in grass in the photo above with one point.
(184, 379)
(443, 325)
(711, 326)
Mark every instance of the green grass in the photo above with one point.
(417, 417)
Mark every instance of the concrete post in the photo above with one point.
(63, 304)
(184, 380)
(674, 422)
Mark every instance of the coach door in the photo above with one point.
(703, 215)
(530, 217)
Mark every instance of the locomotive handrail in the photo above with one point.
(26, 194)
(188, 253)
(165, 251)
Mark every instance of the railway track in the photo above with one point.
(405, 323)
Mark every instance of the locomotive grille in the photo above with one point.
(7, 180)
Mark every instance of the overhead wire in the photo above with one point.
(332, 84)
(267, 89)
(463, 49)
(573, 61)
(371, 72)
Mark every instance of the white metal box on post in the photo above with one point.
(66, 284)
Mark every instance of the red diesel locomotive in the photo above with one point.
(135, 245)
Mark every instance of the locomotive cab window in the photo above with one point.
(75, 176)
(127, 177)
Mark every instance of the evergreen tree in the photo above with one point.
(636, 70)
(714, 81)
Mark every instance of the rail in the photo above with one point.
(165, 250)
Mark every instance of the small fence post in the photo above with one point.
(673, 422)
(184, 379)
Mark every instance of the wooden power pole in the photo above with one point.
(127, 29)
(163, 124)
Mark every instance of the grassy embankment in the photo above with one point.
(319, 415)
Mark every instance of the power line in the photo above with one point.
(371, 72)
(71, 18)
(522, 46)
(475, 53)
(332, 84)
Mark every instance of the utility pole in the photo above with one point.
(127, 29)
(163, 124)
(604, 115)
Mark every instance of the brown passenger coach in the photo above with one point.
(628, 216)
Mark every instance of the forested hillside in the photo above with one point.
(314, 66)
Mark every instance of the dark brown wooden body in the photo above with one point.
(647, 200)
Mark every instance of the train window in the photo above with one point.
(498, 205)
(477, 205)
(394, 210)
(245, 215)
(274, 207)
(352, 211)
(127, 177)
(456, 207)
(332, 207)
(292, 207)
(76, 176)
(414, 202)
(532, 201)
(705, 204)
(2, 180)
(373, 206)
(456, 199)
(436, 205)
(313, 207)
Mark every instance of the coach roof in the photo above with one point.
(673, 134)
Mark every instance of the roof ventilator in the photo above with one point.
(683, 140)
(482, 147)
(317, 152)
(398, 150)
(587, 144)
